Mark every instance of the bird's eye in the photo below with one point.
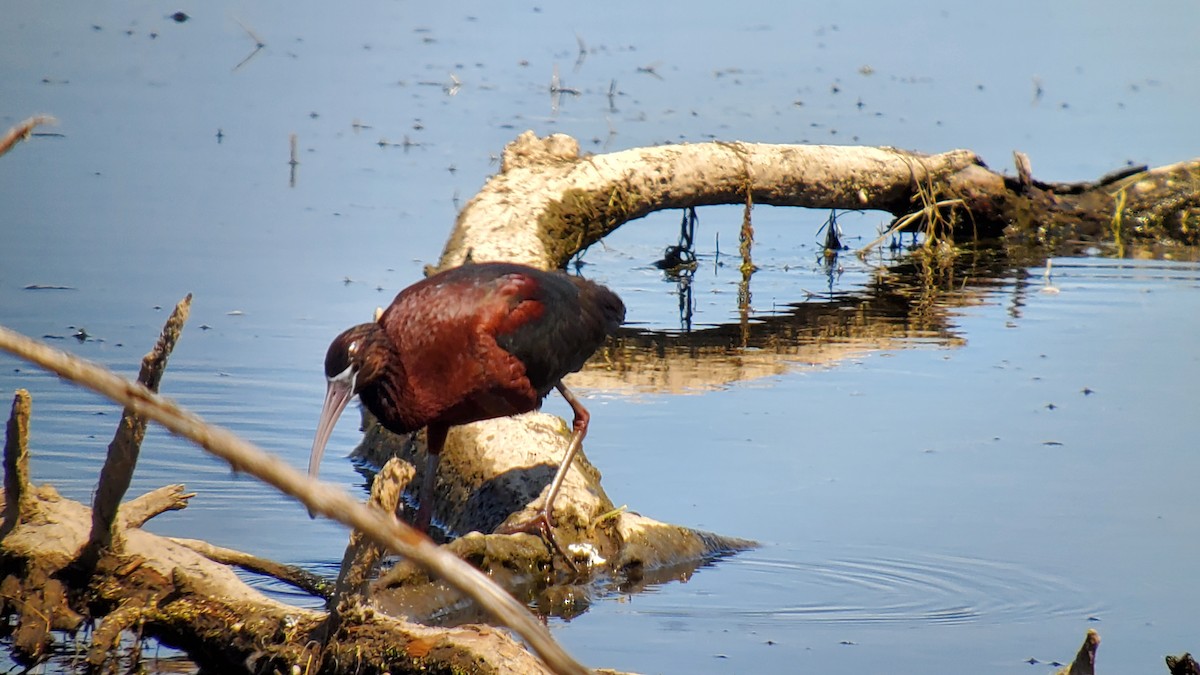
(352, 348)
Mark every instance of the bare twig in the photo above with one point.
(318, 497)
(259, 44)
(907, 220)
(22, 131)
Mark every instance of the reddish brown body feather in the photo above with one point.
(442, 362)
(472, 343)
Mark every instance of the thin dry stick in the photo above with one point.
(904, 222)
(316, 496)
(22, 131)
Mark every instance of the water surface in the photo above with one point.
(974, 470)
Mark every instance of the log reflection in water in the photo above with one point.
(910, 302)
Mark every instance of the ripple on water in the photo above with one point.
(899, 588)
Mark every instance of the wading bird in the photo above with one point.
(472, 343)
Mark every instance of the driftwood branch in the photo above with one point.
(362, 555)
(546, 204)
(123, 451)
(317, 497)
(136, 511)
(1085, 658)
(17, 490)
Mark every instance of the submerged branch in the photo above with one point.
(289, 574)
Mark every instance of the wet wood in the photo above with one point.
(289, 574)
(168, 591)
(497, 472)
(546, 204)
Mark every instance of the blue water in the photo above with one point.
(915, 493)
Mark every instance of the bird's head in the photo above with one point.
(354, 360)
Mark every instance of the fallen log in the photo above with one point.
(548, 201)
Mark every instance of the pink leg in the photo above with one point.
(579, 427)
(543, 522)
(436, 440)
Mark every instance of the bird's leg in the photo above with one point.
(543, 523)
(579, 429)
(435, 439)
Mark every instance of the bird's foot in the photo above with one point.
(543, 526)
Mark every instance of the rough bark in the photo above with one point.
(1085, 658)
(123, 451)
(170, 592)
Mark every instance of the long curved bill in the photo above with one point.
(338, 393)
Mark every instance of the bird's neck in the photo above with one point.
(390, 398)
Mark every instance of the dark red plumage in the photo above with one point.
(472, 343)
